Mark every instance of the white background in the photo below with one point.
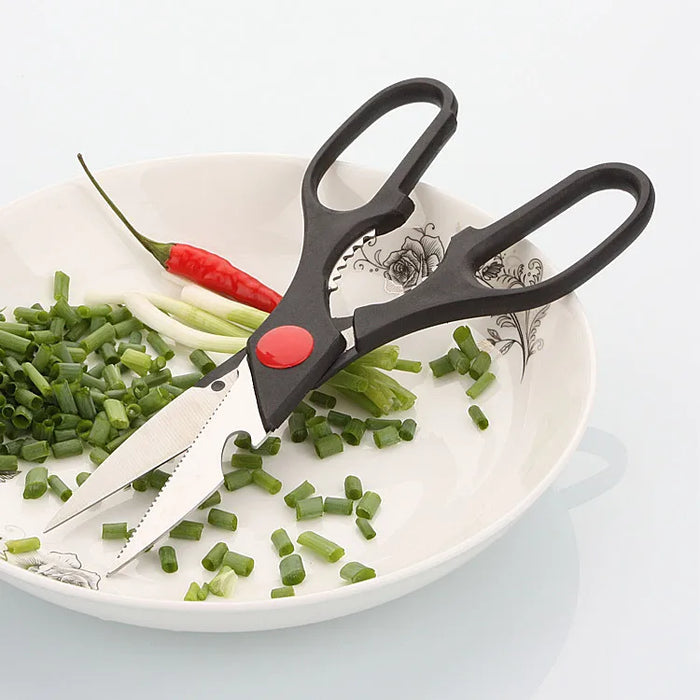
(595, 592)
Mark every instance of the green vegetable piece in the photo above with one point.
(409, 366)
(61, 285)
(318, 427)
(441, 366)
(95, 340)
(35, 483)
(266, 481)
(121, 438)
(99, 432)
(240, 563)
(28, 399)
(282, 543)
(68, 448)
(477, 415)
(215, 556)
(35, 451)
(407, 430)
(123, 328)
(292, 570)
(365, 527)
(223, 519)
(168, 559)
(109, 354)
(119, 314)
(185, 381)
(459, 361)
(345, 379)
(308, 508)
(85, 403)
(304, 490)
(42, 358)
(213, 500)
(270, 447)
(480, 385)
(480, 365)
(338, 419)
(8, 463)
(282, 592)
(224, 583)
(354, 572)
(157, 478)
(367, 506)
(384, 357)
(154, 400)
(386, 437)
(297, 427)
(114, 531)
(305, 410)
(137, 361)
(37, 379)
(193, 591)
(95, 311)
(24, 545)
(379, 423)
(465, 340)
(325, 548)
(116, 414)
(323, 400)
(328, 445)
(81, 478)
(187, 530)
(337, 506)
(32, 316)
(22, 418)
(64, 396)
(98, 455)
(14, 343)
(245, 460)
(238, 479)
(141, 484)
(159, 345)
(202, 361)
(78, 330)
(353, 487)
(57, 485)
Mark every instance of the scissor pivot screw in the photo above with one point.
(218, 385)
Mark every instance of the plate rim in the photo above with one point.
(14, 574)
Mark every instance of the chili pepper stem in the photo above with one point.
(160, 251)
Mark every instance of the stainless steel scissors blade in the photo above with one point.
(166, 435)
(198, 472)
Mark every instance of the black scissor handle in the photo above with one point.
(453, 291)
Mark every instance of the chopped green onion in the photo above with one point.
(328, 445)
(192, 592)
(480, 364)
(22, 417)
(121, 438)
(480, 385)
(168, 559)
(353, 487)
(349, 380)
(123, 328)
(31, 316)
(185, 381)
(224, 583)
(57, 485)
(318, 427)
(386, 437)
(155, 340)
(215, 556)
(465, 340)
(14, 343)
(379, 423)
(8, 463)
(116, 414)
(321, 399)
(337, 506)
(270, 446)
(22, 546)
(282, 592)
(266, 481)
(362, 401)
(154, 400)
(282, 543)
(414, 366)
(81, 478)
(203, 592)
(305, 410)
(70, 371)
(37, 379)
(141, 484)
(384, 357)
(68, 448)
(308, 508)
(64, 397)
(304, 490)
(119, 314)
(238, 479)
(408, 429)
(459, 361)
(104, 334)
(99, 433)
(36, 482)
(61, 285)
(325, 548)
(19, 329)
(240, 563)
(187, 530)
(245, 460)
(137, 361)
(109, 354)
(213, 500)
(43, 337)
(159, 378)
(28, 399)
(98, 455)
(354, 572)
(64, 310)
(157, 478)
(223, 519)
(338, 419)
(202, 361)
(292, 570)
(367, 506)
(297, 427)
(35, 451)
(42, 358)
(441, 366)
(114, 531)
(85, 403)
(96, 311)
(365, 527)
(78, 330)
(477, 415)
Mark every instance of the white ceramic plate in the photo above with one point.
(446, 495)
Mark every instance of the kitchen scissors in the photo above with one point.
(301, 344)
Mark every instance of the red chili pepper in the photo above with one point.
(198, 265)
